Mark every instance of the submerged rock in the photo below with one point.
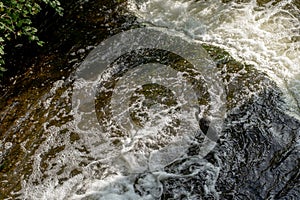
(45, 155)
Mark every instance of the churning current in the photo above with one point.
(154, 124)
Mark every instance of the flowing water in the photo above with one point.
(265, 36)
(215, 115)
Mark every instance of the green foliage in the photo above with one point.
(15, 21)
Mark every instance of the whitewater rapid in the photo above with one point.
(141, 165)
(266, 36)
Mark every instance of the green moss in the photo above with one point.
(240, 80)
(149, 95)
(3, 166)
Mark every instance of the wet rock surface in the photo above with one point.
(256, 157)
(36, 74)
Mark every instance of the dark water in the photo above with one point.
(33, 71)
(47, 154)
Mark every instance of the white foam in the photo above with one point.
(265, 36)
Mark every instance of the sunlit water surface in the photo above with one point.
(256, 156)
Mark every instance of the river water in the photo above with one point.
(212, 113)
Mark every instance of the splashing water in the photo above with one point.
(266, 36)
(150, 146)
